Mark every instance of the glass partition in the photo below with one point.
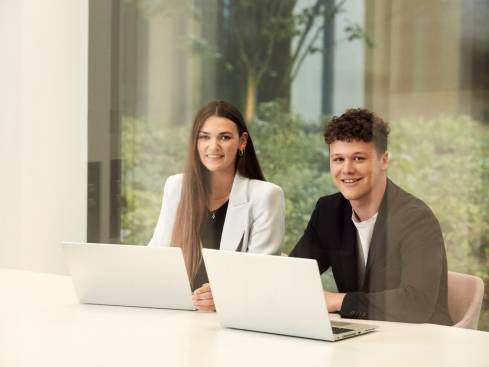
(289, 65)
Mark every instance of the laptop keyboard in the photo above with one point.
(339, 330)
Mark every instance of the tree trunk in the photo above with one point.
(250, 107)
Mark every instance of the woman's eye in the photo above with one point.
(225, 137)
(203, 137)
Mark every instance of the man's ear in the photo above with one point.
(384, 160)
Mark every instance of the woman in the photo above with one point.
(221, 200)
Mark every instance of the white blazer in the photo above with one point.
(255, 216)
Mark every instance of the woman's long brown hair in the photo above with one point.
(195, 187)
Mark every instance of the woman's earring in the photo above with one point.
(241, 152)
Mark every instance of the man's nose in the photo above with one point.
(348, 166)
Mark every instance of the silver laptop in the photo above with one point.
(273, 294)
(128, 275)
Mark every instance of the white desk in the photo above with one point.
(41, 324)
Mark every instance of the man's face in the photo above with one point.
(357, 169)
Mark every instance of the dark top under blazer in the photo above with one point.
(406, 271)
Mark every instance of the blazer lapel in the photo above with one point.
(235, 231)
(349, 251)
(377, 250)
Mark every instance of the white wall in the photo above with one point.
(43, 130)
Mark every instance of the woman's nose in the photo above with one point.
(214, 143)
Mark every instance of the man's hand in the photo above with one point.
(334, 300)
(202, 298)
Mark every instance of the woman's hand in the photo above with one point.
(202, 298)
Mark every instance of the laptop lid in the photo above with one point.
(273, 294)
(128, 275)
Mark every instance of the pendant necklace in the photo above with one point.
(213, 212)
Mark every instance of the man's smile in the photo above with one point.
(350, 180)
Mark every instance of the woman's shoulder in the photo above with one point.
(174, 182)
(264, 188)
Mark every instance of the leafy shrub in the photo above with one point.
(294, 156)
(150, 153)
(444, 162)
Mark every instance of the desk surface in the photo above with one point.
(42, 324)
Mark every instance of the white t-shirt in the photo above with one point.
(365, 230)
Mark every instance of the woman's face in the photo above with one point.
(218, 143)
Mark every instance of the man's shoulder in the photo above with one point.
(402, 204)
(332, 204)
(331, 200)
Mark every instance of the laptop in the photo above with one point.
(273, 294)
(126, 275)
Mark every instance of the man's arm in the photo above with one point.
(309, 245)
(334, 300)
(422, 261)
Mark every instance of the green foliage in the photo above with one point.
(150, 153)
(443, 162)
(293, 155)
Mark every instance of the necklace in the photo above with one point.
(214, 212)
(214, 200)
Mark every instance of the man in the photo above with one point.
(385, 246)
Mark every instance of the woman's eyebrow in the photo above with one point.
(221, 133)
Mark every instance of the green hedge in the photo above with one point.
(150, 153)
(443, 161)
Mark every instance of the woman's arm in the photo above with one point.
(169, 204)
(268, 219)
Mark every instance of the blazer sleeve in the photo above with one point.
(268, 221)
(421, 250)
(310, 245)
(171, 198)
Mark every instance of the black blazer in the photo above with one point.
(406, 272)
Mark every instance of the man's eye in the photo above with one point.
(338, 160)
(359, 158)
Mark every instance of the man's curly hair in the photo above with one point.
(358, 124)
